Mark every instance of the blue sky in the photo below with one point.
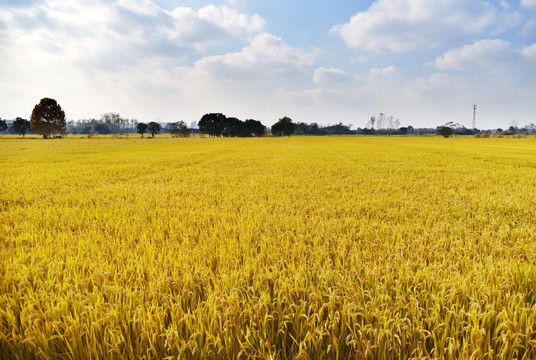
(425, 62)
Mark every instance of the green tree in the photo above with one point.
(3, 125)
(154, 128)
(21, 126)
(232, 127)
(48, 118)
(178, 128)
(183, 129)
(142, 128)
(284, 126)
(254, 127)
(173, 129)
(446, 131)
(212, 124)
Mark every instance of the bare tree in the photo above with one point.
(371, 122)
(114, 122)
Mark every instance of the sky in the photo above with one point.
(424, 62)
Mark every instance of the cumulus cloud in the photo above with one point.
(481, 53)
(231, 20)
(146, 7)
(493, 55)
(403, 25)
(134, 57)
(266, 57)
(120, 33)
(125, 50)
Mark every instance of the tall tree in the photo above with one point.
(154, 128)
(254, 127)
(3, 125)
(21, 126)
(178, 128)
(142, 128)
(283, 126)
(232, 127)
(183, 130)
(173, 129)
(48, 118)
(212, 124)
(446, 130)
(114, 122)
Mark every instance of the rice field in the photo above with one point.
(268, 248)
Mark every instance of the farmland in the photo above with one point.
(272, 248)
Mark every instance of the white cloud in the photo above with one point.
(528, 3)
(403, 25)
(102, 50)
(508, 20)
(267, 57)
(150, 63)
(423, 101)
(481, 53)
(250, 83)
(120, 34)
(529, 52)
(146, 7)
(491, 55)
(231, 20)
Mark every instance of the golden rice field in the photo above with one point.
(268, 248)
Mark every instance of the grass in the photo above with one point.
(270, 248)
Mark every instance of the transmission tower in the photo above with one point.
(474, 116)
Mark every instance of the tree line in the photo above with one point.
(48, 120)
(217, 124)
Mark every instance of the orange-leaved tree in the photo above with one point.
(48, 118)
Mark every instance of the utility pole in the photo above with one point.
(474, 116)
